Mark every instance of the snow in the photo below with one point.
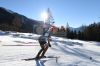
(16, 46)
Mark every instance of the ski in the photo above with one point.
(32, 59)
(28, 59)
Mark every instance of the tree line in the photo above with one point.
(90, 32)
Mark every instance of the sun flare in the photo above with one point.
(44, 15)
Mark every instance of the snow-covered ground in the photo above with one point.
(17, 46)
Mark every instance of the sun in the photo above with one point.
(44, 15)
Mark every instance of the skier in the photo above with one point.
(44, 42)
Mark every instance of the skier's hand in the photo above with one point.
(49, 45)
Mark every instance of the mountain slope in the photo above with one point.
(12, 21)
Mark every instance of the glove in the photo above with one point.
(49, 45)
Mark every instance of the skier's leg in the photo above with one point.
(41, 50)
(44, 51)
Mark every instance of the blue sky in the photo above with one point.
(75, 12)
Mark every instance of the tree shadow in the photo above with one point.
(3, 33)
(97, 43)
(24, 42)
(69, 43)
(76, 52)
(40, 62)
(88, 51)
(30, 36)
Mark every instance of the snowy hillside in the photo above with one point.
(17, 46)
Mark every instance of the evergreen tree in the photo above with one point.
(75, 34)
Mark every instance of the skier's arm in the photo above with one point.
(49, 42)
